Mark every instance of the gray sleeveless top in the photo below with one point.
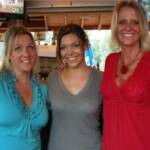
(75, 118)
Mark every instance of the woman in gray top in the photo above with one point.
(74, 95)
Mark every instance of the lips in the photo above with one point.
(71, 58)
(25, 60)
(128, 34)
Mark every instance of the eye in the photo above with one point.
(75, 45)
(135, 22)
(122, 22)
(131, 22)
(31, 47)
(62, 48)
(18, 48)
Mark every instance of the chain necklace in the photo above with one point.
(125, 67)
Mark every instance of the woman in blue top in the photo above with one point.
(22, 99)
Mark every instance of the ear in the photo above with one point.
(9, 55)
(85, 46)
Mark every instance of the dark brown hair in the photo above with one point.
(67, 29)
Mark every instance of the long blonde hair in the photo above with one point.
(144, 40)
(10, 37)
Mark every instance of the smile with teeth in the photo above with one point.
(128, 34)
(71, 58)
(25, 60)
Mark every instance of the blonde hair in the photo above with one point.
(11, 35)
(143, 23)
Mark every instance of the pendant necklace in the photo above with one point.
(125, 67)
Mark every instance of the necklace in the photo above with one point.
(125, 67)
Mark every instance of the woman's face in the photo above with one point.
(72, 51)
(128, 28)
(23, 54)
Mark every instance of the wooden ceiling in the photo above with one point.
(44, 15)
(90, 14)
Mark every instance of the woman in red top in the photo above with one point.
(126, 84)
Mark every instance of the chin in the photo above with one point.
(74, 65)
(26, 69)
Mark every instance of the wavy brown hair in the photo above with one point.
(67, 29)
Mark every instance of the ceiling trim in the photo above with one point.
(69, 9)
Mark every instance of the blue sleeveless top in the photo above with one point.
(20, 125)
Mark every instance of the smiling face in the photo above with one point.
(23, 55)
(128, 28)
(72, 51)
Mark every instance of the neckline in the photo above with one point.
(27, 112)
(132, 74)
(66, 91)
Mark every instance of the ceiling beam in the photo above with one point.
(99, 22)
(68, 9)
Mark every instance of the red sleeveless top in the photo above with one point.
(126, 109)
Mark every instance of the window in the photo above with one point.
(95, 56)
(99, 41)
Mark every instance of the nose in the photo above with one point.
(69, 50)
(128, 25)
(25, 52)
(131, 25)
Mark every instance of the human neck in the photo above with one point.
(129, 58)
(76, 71)
(22, 77)
(128, 54)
